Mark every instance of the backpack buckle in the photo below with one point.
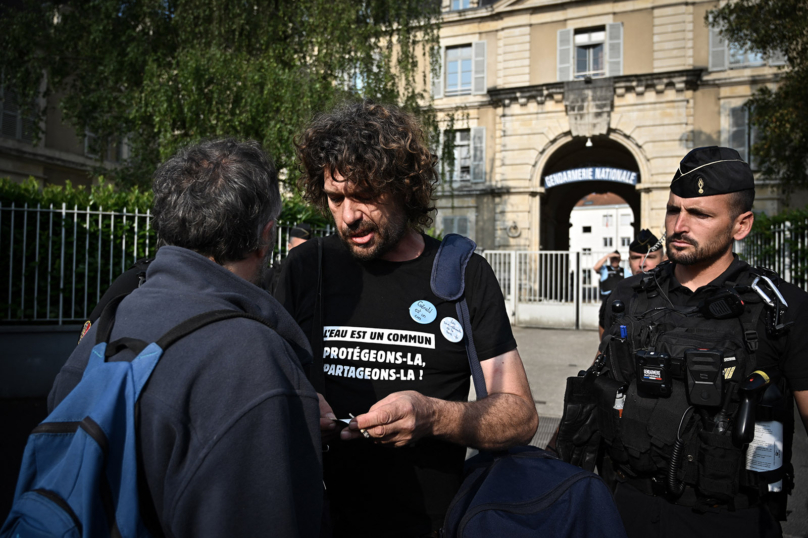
(751, 338)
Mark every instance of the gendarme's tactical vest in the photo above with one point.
(641, 438)
(613, 277)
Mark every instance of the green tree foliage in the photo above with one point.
(164, 73)
(781, 115)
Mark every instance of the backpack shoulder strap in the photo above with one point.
(448, 282)
(143, 365)
(149, 354)
(316, 375)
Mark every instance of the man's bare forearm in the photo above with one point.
(497, 422)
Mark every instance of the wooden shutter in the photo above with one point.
(614, 49)
(718, 51)
(752, 136)
(478, 154)
(738, 139)
(565, 54)
(478, 80)
(462, 225)
(437, 78)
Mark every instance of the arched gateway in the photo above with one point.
(570, 169)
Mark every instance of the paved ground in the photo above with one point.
(550, 356)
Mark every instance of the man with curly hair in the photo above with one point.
(387, 350)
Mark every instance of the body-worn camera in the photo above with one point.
(705, 382)
(653, 374)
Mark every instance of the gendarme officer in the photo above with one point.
(700, 359)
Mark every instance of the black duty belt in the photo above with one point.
(656, 487)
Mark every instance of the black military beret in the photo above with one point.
(302, 231)
(646, 242)
(710, 171)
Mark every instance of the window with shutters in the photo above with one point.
(590, 57)
(462, 72)
(625, 241)
(456, 225)
(608, 220)
(590, 52)
(469, 155)
(724, 55)
(13, 122)
(607, 242)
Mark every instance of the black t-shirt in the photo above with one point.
(385, 332)
(787, 352)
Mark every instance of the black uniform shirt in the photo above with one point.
(788, 352)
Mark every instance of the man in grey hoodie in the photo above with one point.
(228, 427)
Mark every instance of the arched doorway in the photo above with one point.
(612, 169)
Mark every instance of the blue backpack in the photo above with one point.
(79, 469)
(523, 491)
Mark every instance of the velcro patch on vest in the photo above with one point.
(729, 369)
(652, 374)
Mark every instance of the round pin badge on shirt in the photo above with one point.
(451, 329)
(423, 312)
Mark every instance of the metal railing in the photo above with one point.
(60, 260)
(783, 249)
(561, 282)
(547, 275)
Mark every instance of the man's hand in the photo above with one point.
(506, 418)
(328, 426)
(399, 419)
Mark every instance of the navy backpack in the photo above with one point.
(79, 469)
(523, 491)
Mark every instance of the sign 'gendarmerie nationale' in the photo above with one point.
(590, 173)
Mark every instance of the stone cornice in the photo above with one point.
(687, 79)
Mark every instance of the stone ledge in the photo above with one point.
(687, 79)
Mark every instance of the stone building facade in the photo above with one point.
(58, 156)
(594, 89)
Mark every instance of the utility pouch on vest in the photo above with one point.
(620, 359)
(608, 417)
(578, 439)
(677, 341)
(636, 444)
(666, 416)
(719, 464)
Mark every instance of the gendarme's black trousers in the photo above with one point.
(646, 516)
